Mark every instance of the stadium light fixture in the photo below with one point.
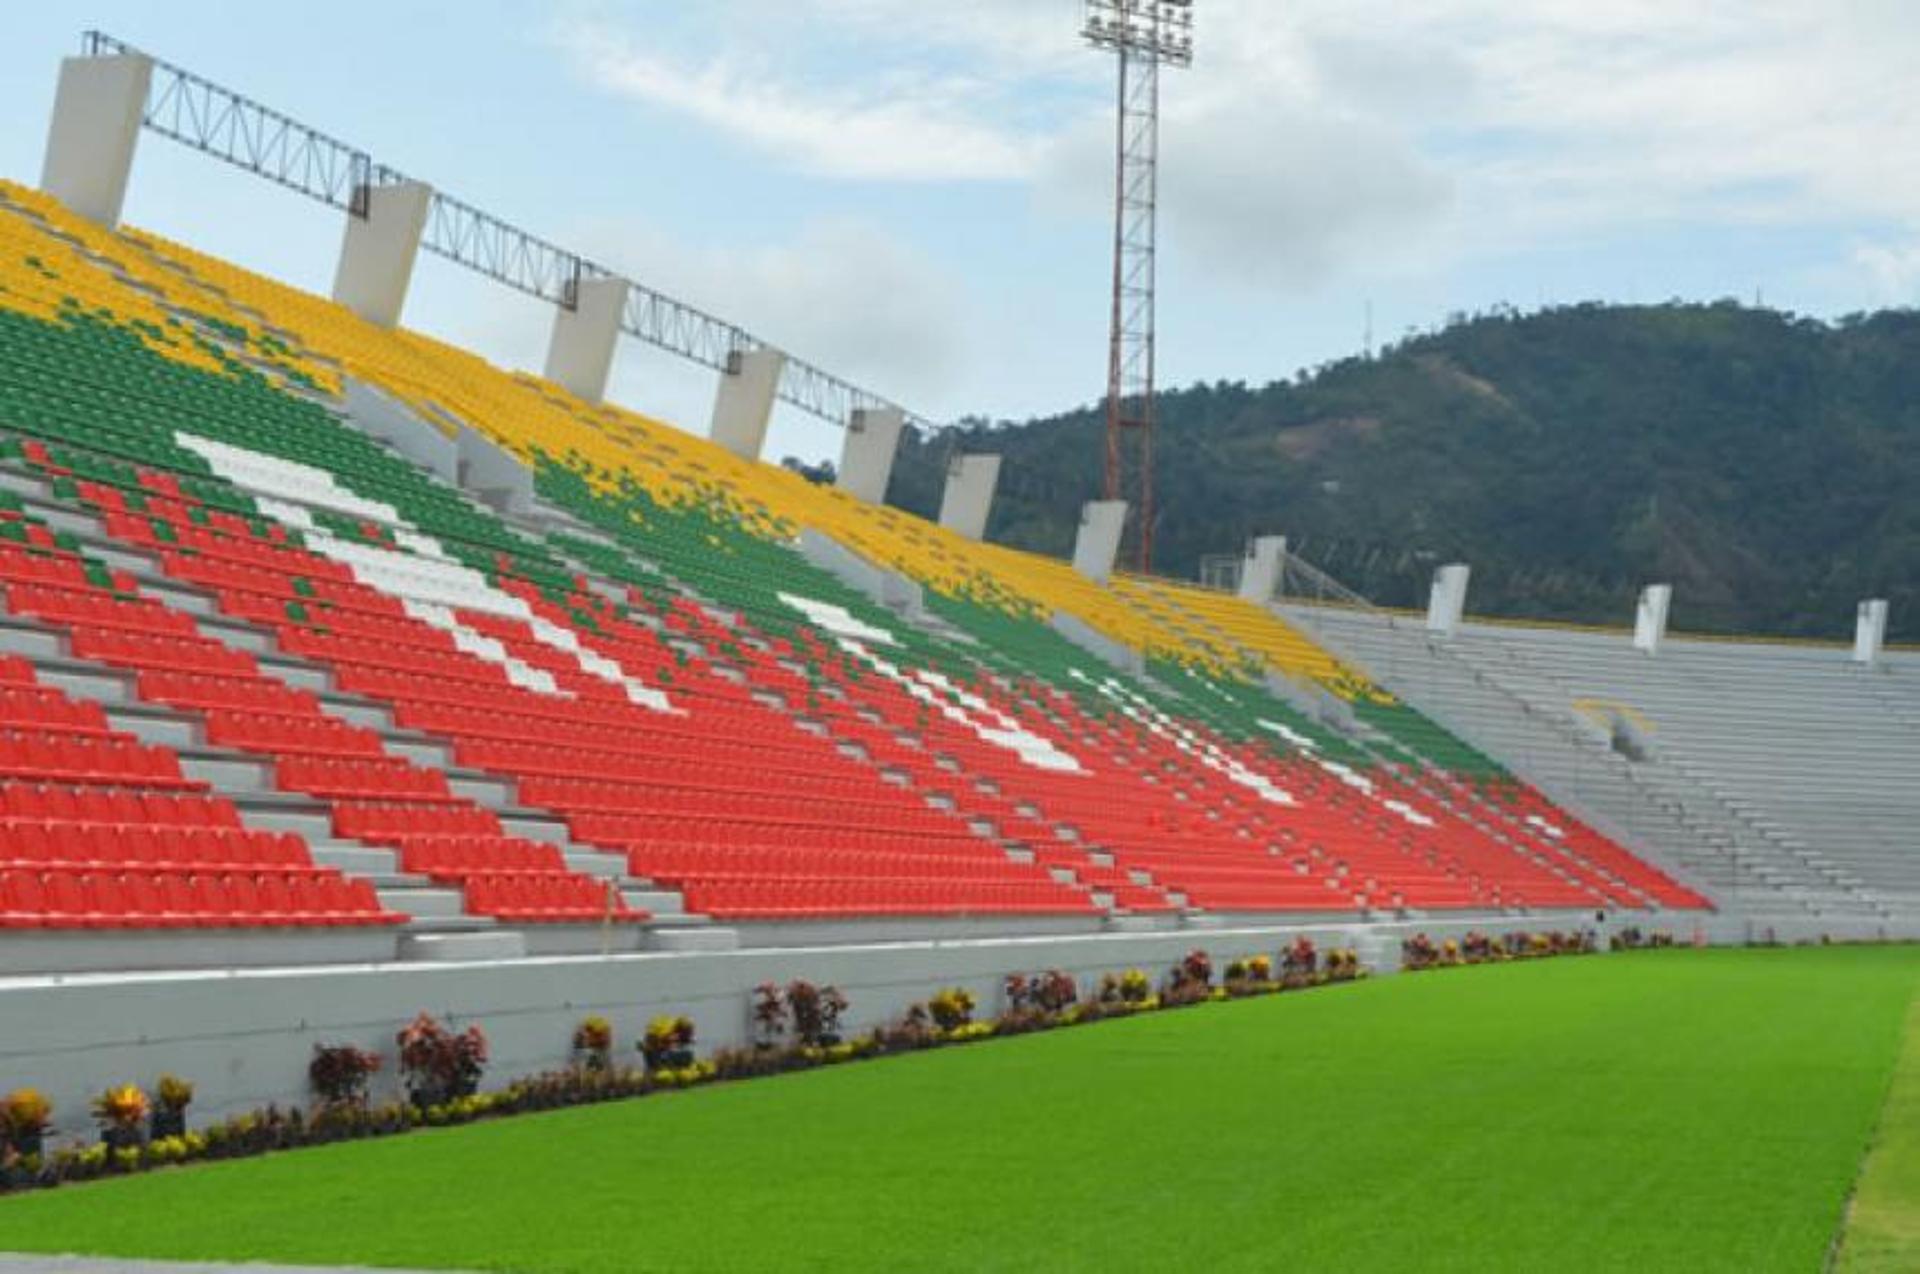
(1142, 35)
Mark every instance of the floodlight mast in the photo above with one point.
(1142, 34)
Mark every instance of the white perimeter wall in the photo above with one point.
(245, 1036)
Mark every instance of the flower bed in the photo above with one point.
(796, 1027)
(1420, 952)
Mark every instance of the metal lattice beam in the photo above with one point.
(229, 126)
(259, 139)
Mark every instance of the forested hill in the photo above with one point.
(1767, 466)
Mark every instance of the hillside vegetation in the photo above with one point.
(1767, 466)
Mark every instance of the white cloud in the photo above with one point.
(1413, 149)
(1263, 183)
(1598, 110)
(1893, 270)
(1309, 136)
(896, 127)
(843, 293)
(1636, 111)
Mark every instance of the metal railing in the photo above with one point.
(255, 138)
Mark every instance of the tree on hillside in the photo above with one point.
(1767, 465)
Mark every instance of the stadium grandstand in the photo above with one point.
(345, 673)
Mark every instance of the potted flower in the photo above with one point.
(1055, 991)
(25, 1116)
(1134, 986)
(668, 1043)
(121, 1113)
(832, 1004)
(593, 1043)
(339, 1073)
(438, 1064)
(816, 1012)
(769, 1016)
(171, 1097)
(1419, 952)
(952, 1008)
(1299, 963)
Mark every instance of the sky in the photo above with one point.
(916, 196)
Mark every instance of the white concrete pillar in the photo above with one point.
(1260, 568)
(1870, 630)
(1650, 617)
(968, 497)
(580, 351)
(377, 253)
(1097, 542)
(743, 404)
(1447, 598)
(866, 458)
(92, 135)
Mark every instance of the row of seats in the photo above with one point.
(550, 898)
(64, 803)
(37, 899)
(868, 897)
(49, 844)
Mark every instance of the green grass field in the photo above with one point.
(1883, 1231)
(1672, 1111)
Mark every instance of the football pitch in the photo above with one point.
(1676, 1110)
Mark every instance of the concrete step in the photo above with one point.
(356, 859)
(302, 816)
(665, 905)
(355, 710)
(481, 789)
(582, 939)
(496, 944)
(433, 755)
(532, 825)
(1141, 924)
(712, 938)
(162, 726)
(25, 637)
(446, 924)
(428, 903)
(228, 773)
(591, 862)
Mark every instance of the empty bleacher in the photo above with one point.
(639, 707)
(1780, 775)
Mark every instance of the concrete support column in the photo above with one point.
(743, 404)
(866, 458)
(1260, 569)
(580, 352)
(1097, 542)
(1870, 630)
(1650, 617)
(93, 133)
(377, 253)
(1447, 598)
(968, 497)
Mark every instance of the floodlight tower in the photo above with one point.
(1142, 34)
